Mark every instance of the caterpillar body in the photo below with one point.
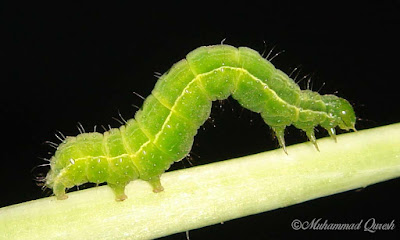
(163, 130)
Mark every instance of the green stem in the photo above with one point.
(213, 193)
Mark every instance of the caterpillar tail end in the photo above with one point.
(280, 135)
(59, 191)
(62, 196)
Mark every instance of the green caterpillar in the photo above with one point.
(162, 132)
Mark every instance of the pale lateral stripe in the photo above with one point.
(170, 109)
(183, 91)
(197, 77)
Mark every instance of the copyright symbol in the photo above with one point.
(296, 224)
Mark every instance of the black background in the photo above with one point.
(81, 62)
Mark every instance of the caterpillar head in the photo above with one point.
(341, 110)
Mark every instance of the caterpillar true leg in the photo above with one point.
(280, 135)
(332, 133)
(311, 136)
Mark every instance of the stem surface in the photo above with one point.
(212, 193)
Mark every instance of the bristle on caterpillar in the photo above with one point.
(163, 129)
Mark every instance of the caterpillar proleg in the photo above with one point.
(163, 130)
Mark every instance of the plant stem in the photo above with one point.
(212, 193)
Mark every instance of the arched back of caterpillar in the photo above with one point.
(163, 130)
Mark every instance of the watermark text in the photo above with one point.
(370, 225)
